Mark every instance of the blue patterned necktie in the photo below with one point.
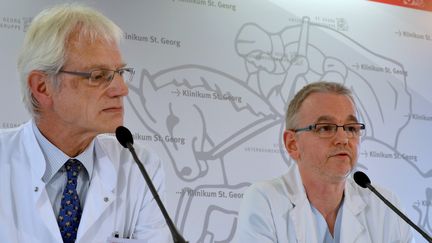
(70, 209)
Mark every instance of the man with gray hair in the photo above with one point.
(61, 179)
(317, 201)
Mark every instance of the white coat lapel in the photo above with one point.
(304, 223)
(301, 214)
(46, 213)
(33, 154)
(352, 229)
(101, 193)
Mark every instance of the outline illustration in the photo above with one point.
(187, 101)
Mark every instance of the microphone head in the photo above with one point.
(124, 136)
(361, 179)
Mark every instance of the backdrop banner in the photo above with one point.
(213, 79)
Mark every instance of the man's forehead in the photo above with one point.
(330, 118)
(327, 100)
(328, 107)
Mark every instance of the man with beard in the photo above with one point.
(317, 200)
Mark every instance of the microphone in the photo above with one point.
(363, 180)
(124, 136)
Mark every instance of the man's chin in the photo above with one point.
(111, 128)
(341, 174)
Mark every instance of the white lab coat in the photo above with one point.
(279, 211)
(118, 199)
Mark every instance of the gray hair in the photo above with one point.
(45, 43)
(317, 87)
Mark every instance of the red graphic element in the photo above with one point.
(425, 5)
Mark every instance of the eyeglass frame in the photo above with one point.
(107, 82)
(313, 128)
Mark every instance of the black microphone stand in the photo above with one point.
(177, 237)
(398, 212)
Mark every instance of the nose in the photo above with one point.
(118, 86)
(341, 136)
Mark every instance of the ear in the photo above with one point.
(291, 144)
(39, 87)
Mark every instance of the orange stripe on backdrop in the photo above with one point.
(417, 4)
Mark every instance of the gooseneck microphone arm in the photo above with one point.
(125, 138)
(363, 180)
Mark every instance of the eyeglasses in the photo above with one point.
(103, 76)
(328, 130)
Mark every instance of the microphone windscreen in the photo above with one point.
(361, 179)
(124, 136)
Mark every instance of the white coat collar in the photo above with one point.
(32, 154)
(354, 206)
(301, 213)
(101, 192)
(302, 216)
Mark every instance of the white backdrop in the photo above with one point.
(213, 78)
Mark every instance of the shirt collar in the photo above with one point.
(55, 158)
